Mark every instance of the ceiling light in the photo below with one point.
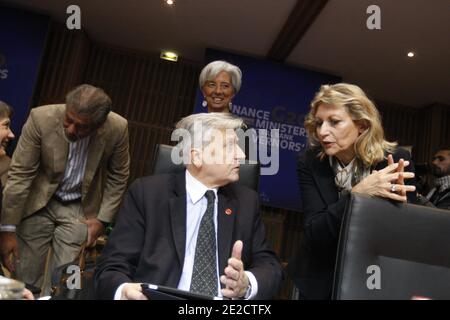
(410, 54)
(169, 55)
(169, 2)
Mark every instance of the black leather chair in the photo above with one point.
(409, 243)
(162, 163)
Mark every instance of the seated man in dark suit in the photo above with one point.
(196, 230)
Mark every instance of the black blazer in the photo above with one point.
(148, 240)
(312, 267)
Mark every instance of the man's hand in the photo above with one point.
(9, 250)
(235, 279)
(27, 295)
(132, 291)
(95, 230)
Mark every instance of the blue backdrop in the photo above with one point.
(274, 96)
(22, 36)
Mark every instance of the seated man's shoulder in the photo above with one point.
(241, 191)
(154, 184)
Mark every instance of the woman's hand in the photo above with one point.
(401, 168)
(388, 182)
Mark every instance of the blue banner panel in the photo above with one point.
(274, 96)
(22, 36)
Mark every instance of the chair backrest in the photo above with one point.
(248, 172)
(392, 251)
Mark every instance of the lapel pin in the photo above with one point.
(228, 211)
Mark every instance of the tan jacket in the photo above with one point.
(5, 162)
(39, 161)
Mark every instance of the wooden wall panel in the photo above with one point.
(144, 89)
(151, 93)
(143, 140)
(433, 131)
(62, 66)
(399, 123)
(424, 128)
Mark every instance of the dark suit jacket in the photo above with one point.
(312, 267)
(148, 240)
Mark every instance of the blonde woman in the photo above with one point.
(347, 153)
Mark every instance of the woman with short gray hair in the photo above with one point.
(219, 82)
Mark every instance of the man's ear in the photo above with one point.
(196, 157)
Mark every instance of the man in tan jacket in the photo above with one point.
(67, 178)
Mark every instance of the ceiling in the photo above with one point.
(336, 41)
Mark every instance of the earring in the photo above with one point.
(230, 105)
(204, 104)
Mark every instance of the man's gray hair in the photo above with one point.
(91, 101)
(212, 69)
(196, 129)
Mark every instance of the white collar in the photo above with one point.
(195, 188)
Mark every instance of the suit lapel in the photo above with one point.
(95, 153)
(226, 217)
(178, 215)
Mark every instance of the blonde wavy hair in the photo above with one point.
(370, 146)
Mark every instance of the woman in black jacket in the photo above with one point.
(347, 153)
